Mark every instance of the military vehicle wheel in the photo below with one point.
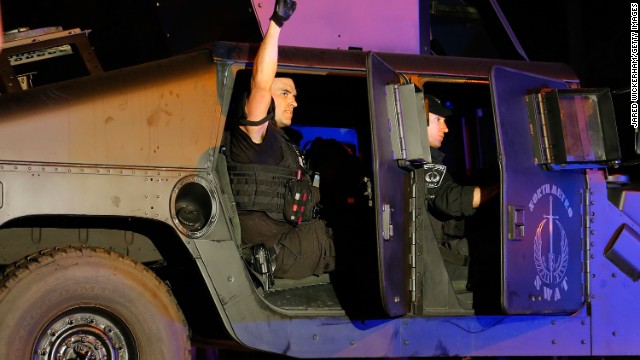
(85, 303)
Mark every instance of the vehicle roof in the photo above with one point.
(404, 63)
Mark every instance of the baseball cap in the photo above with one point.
(436, 107)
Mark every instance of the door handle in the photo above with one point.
(515, 222)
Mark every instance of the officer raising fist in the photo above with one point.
(283, 11)
(263, 160)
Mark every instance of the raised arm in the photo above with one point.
(264, 71)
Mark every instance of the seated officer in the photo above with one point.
(273, 194)
(448, 203)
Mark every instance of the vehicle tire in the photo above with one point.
(88, 303)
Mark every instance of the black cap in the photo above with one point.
(436, 107)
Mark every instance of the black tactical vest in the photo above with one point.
(263, 187)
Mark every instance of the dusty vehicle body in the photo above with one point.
(111, 166)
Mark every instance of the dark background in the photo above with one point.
(591, 36)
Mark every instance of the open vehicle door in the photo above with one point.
(542, 230)
(392, 186)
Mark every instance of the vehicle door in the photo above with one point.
(392, 185)
(542, 233)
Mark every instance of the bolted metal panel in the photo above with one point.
(613, 296)
(624, 251)
(160, 114)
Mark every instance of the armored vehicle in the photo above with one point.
(119, 236)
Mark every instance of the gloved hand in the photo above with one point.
(283, 11)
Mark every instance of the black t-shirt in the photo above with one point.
(243, 150)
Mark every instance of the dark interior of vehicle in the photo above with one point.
(332, 126)
(471, 150)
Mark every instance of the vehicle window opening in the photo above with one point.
(332, 128)
(472, 159)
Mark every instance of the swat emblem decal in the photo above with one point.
(551, 245)
(434, 174)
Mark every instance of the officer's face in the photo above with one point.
(436, 130)
(284, 94)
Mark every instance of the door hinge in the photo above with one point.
(413, 257)
(586, 231)
(395, 120)
(387, 226)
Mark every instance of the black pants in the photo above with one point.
(455, 252)
(303, 250)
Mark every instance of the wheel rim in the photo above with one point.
(89, 333)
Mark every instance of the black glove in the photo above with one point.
(283, 11)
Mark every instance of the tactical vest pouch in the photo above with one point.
(299, 201)
(259, 187)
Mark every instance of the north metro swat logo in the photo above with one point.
(550, 245)
(434, 174)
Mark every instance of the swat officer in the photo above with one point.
(274, 196)
(448, 202)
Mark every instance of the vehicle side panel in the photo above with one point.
(160, 114)
(614, 296)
